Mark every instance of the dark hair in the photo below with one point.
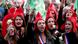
(22, 19)
(24, 25)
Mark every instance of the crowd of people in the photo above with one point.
(20, 26)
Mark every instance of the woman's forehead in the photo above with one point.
(18, 17)
(68, 21)
(41, 21)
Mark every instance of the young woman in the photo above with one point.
(19, 23)
(40, 30)
(52, 10)
(70, 31)
(52, 32)
(69, 13)
(8, 29)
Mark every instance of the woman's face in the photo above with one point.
(69, 14)
(18, 21)
(41, 25)
(68, 26)
(12, 32)
(52, 12)
(50, 23)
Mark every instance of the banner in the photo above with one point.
(76, 6)
(39, 6)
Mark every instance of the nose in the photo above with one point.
(41, 24)
(52, 23)
(18, 20)
(67, 26)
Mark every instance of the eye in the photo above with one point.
(49, 21)
(16, 19)
(39, 23)
(52, 21)
(20, 19)
(43, 23)
(69, 24)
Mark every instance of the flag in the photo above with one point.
(76, 6)
(26, 4)
(39, 6)
(3, 3)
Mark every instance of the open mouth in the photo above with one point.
(12, 33)
(18, 23)
(51, 25)
(42, 27)
(67, 28)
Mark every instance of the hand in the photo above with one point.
(22, 30)
(9, 27)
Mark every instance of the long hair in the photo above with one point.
(73, 21)
(24, 25)
(37, 32)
